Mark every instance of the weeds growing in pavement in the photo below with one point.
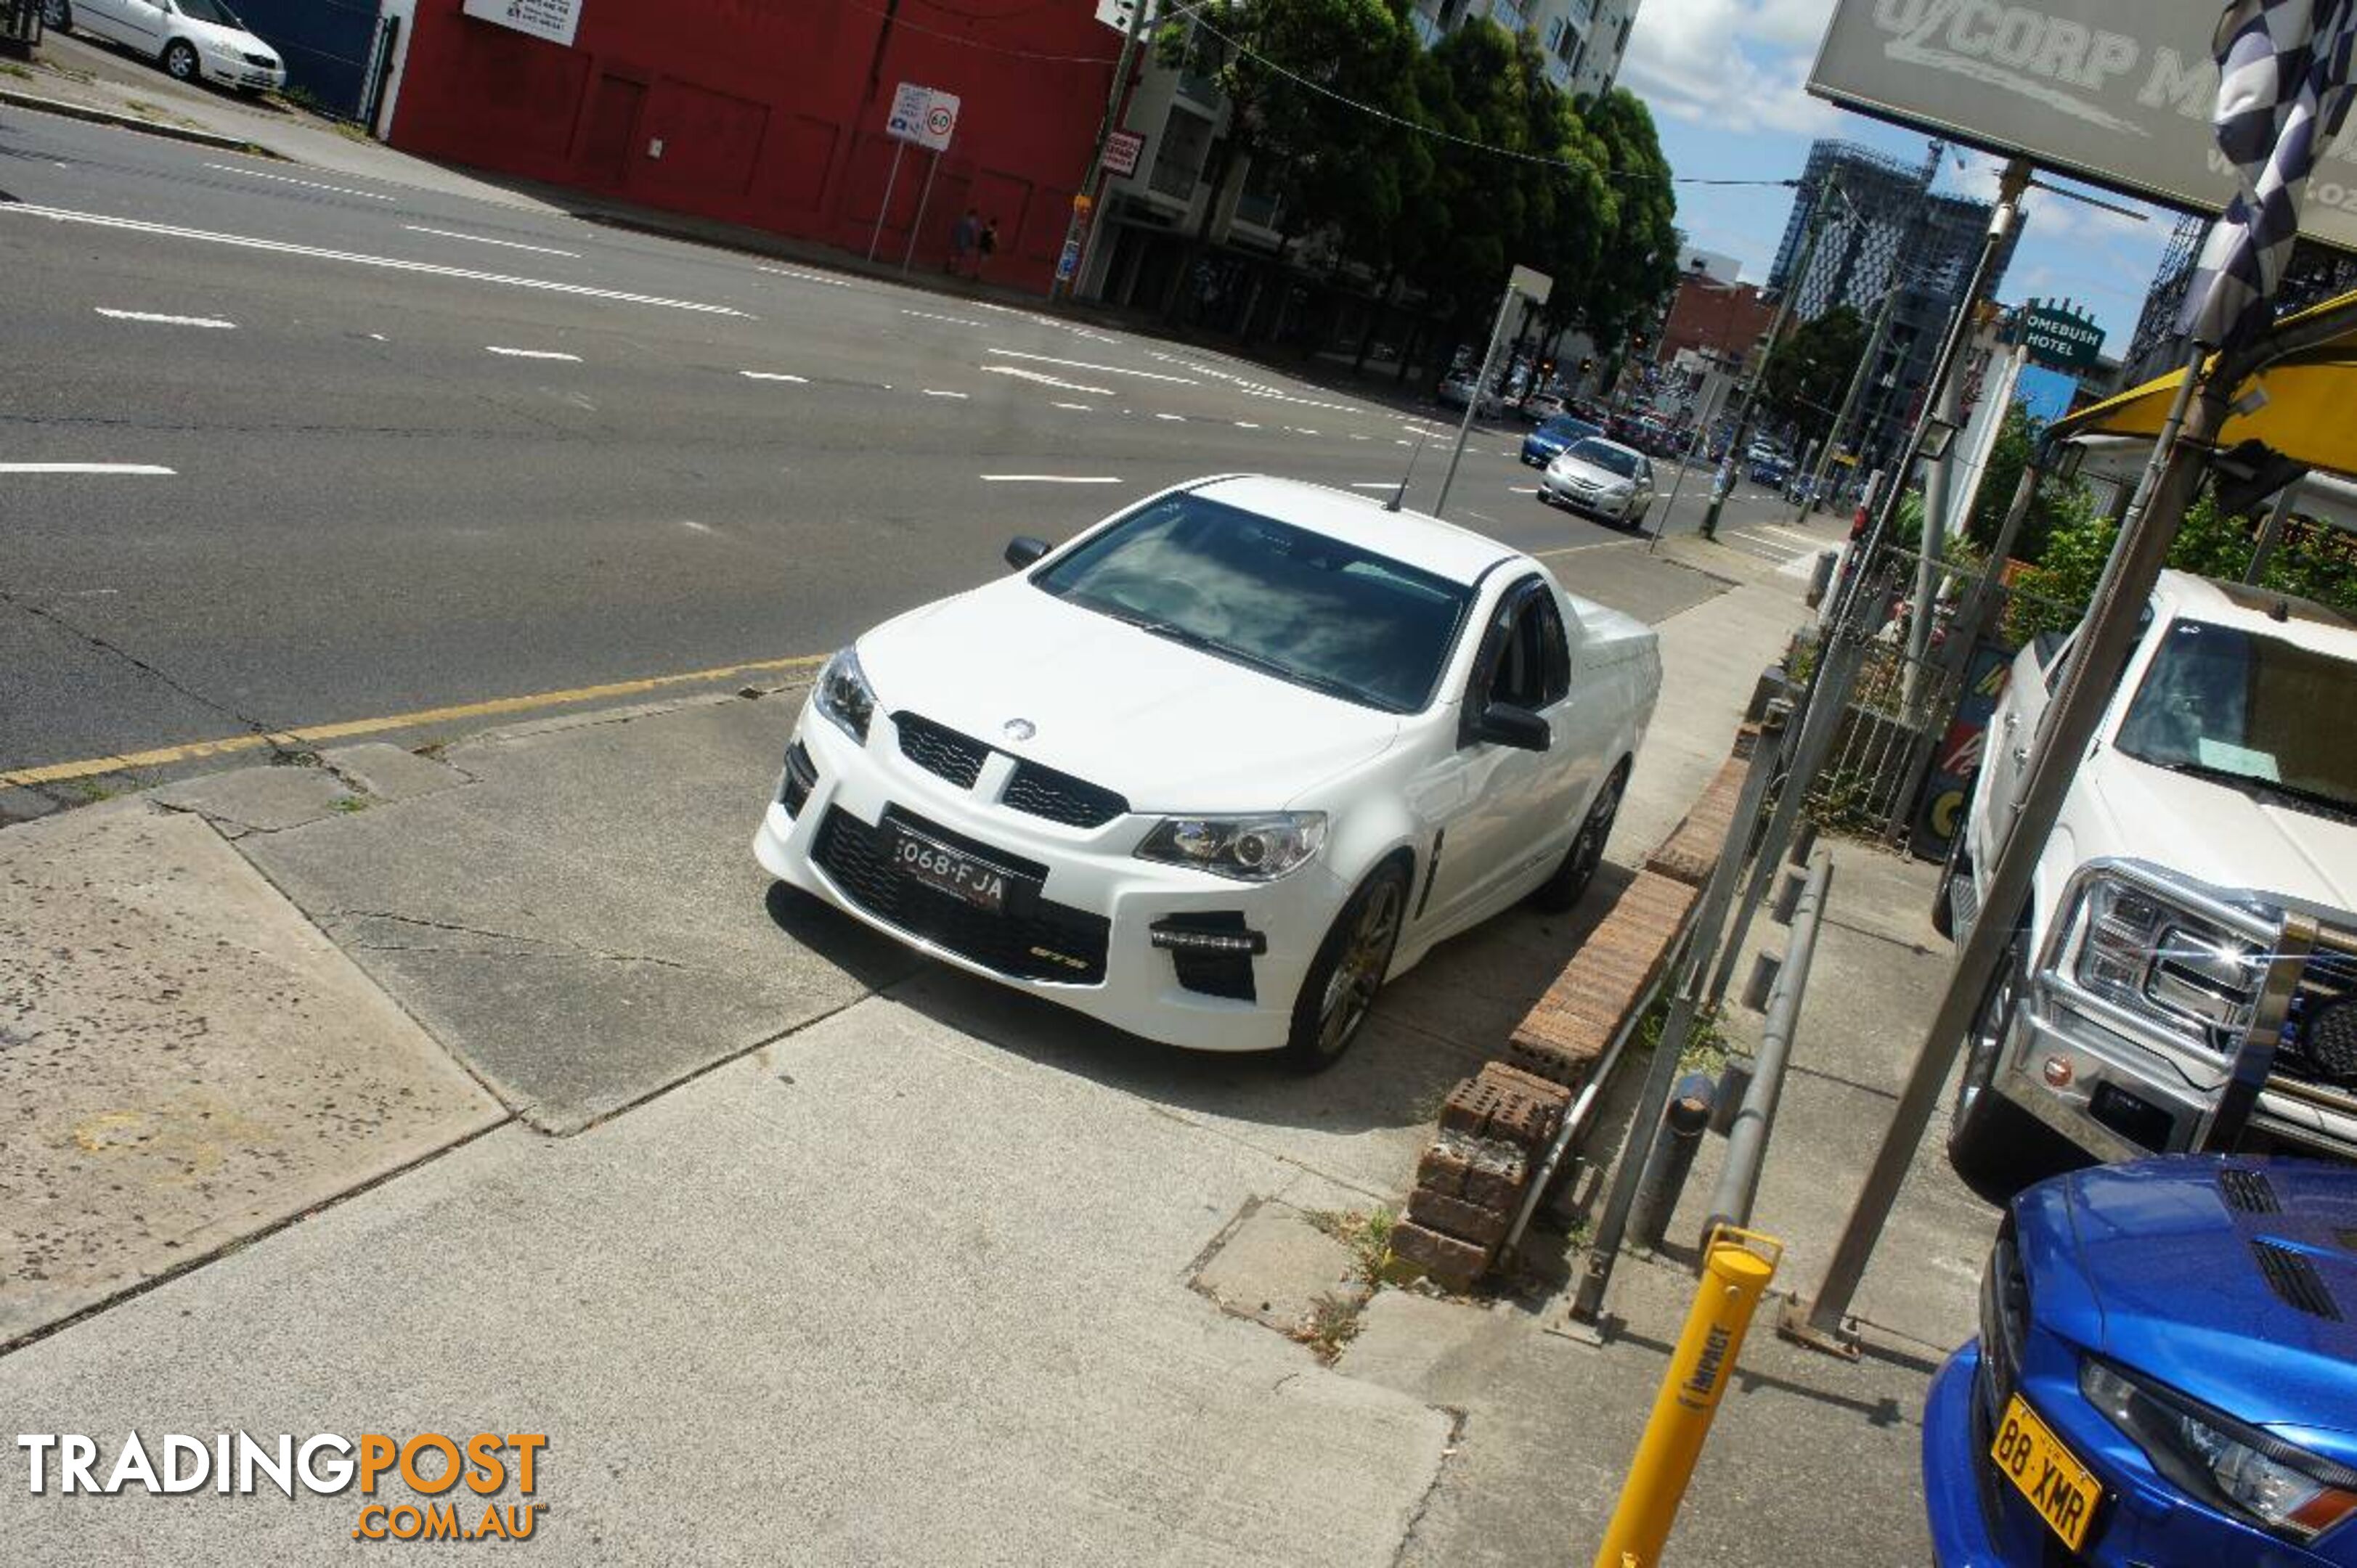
(1368, 1236)
(1332, 1323)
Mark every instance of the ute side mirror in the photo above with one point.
(1503, 724)
(1022, 550)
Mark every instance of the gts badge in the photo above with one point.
(1067, 959)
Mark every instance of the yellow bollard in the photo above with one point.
(1736, 1267)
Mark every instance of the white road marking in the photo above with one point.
(1050, 479)
(307, 184)
(1174, 418)
(1358, 437)
(807, 278)
(1809, 539)
(953, 320)
(390, 263)
(1085, 365)
(1523, 490)
(690, 523)
(212, 321)
(479, 240)
(774, 376)
(376, 337)
(1576, 549)
(1246, 425)
(1046, 381)
(1782, 550)
(82, 468)
(936, 391)
(1374, 484)
(1305, 432)
(1077, 407)
(1402, 441)
(531, 353)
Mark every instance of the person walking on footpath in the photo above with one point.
(962, 243)
(985, 245)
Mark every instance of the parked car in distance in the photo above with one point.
(1602, 479)
(1539, 407)
(193, 40)
(2165, 1373)
(1541, 446)
(1458, 390)
(1214, 770)
(1766, 466)
(2200, 886)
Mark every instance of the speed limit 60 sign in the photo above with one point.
(925, 115)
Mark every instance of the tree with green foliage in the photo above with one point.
(1807, 373)
(1637, 235)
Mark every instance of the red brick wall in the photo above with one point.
(1715, 319)
(766, 116)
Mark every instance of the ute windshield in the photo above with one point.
(2250, 710)
(1289, 602)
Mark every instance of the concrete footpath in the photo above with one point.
(493, 1088)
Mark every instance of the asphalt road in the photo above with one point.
(334, 447)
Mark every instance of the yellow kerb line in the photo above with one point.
(311, 734)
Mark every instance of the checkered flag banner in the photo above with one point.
(2283, 90)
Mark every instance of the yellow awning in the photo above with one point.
(2310, 414)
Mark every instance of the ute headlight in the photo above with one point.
(1249, 849)
(2284, 1490)
(2143, 952)
(844, 695)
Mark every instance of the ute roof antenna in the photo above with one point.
(1400, 494)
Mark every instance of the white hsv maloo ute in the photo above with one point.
(1217, 767)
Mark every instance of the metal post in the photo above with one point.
(1662, 1075)
(1938, 485)
(1825, 187)
(2271, 534)
(1858, 380)
(1734, 1277)
(891, 178)
(1747, 1139)
(1059, 288)
(1699, 437)
(1685, 1121)
(2010, 185)
(1838, 658)
(2070, 721)
(1473, 400)
(917, 227)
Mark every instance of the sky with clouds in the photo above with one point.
(1727, 81)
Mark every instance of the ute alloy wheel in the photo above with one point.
(180, 59)
(1340, 991)
(1570, 884)
(1995, 1146)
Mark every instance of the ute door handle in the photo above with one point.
(2012, 721)
(2021, 757)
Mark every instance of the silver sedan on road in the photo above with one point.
(1601, 480)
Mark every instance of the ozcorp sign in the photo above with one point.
(2116, 91)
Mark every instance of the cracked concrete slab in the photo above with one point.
(877, 1294)
(264, 800)
(1276, 1268)
(584, 924)
(389, 773)
(184, 1060)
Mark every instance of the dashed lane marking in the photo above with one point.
(355, 258)
(531, 353)
(1050, 479)
(953, 320)
(1046, 381)
(307, 184)
(214, 322)
(936, 391)
(1087, 365)
(1076, 407)
(151, 469)
(313, 735)
(481, 239)
(774, 376)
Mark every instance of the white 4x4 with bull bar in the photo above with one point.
(2185, 976)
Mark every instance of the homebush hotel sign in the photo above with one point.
(2116, 91)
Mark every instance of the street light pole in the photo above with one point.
(1826, 186)
(1523, 284)
(1065, 282)
(1865, 367)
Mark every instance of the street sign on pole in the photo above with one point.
(2060, 336)
(923, 117)
(1123, 149)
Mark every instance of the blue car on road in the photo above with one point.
(2165, 1374)
(1542, 445)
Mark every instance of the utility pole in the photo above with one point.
(1084, 217)
(1825, 187)
(1867, 366)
